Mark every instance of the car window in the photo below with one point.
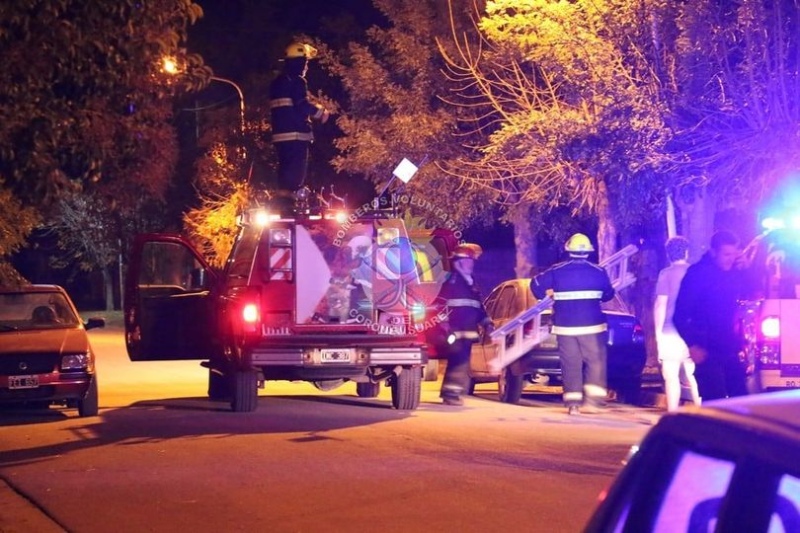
(240, 261)
(171, 265)
(693, 498)
(35, 310)
(786, 511)
(491, 302)
(507, 302)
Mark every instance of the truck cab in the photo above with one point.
(326, 299)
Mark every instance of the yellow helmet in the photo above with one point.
(579, 244)
(466, 251)
(296, 49)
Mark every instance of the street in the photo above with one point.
(161, 456)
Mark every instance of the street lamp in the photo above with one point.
(170, 66)
(241, 100)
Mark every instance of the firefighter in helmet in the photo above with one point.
(291, 114)
(577, 287)
(466, 320)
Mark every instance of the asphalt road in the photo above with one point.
(162, 457)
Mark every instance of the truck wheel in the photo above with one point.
(218, 386)
(509, 386)
(368, 390)
(406, 389)
(88, 405)
(245, 391)
(431, 370)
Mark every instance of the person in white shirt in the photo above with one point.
(673, 354)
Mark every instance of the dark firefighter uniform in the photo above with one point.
(466, 317)
(291, 115)
(577, 288)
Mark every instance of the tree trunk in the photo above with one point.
(523, 219)
(697, 222)
(606, 226)
(108, 288)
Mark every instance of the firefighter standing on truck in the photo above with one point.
(291, 115)
(577, 288)
(466, 319)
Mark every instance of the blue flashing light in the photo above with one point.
(773, 223)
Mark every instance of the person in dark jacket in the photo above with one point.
(577, 287)
(291, 114)
(466, 320)
(705, 317)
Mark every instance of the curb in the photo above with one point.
(19, 515)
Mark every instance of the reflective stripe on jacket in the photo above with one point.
(464, 308)
(578, 287)
(290, 110)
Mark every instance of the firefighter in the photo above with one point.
(291, 115)
(466, 320)
(577, 287)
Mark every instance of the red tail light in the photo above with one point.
(251, 317)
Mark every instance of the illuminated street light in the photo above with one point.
(170, 66)
(241, 100)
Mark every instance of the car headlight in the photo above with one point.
(81, 361)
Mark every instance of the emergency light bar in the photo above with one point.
(256, 217)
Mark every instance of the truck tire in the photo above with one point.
(431, 370)
(89, 404)
(406, 389)
(368, 390)
(218, 386)
(245, 391)
(509, 386)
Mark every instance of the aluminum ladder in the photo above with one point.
(522, 333)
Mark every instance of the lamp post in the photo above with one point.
(241, 100)
(170, 66)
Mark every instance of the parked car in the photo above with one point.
(45, 355)
(626, 349)
(730, 465)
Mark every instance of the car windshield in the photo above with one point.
(35, 311)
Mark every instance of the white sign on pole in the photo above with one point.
(405, 170)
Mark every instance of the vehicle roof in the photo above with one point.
(779, 408)
(40, 287)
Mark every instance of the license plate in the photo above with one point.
(335, 356)
(23, 382)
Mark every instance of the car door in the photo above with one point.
(502, 301)
(169, 310)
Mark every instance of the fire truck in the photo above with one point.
(324, 298)
(769, 321)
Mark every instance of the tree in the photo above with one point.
(394, 108)
(85, 109)
(572, 112)
(16, 222)
(734, 73)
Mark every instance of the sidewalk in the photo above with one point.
(20, 515)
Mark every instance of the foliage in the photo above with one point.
(85, 106)
(570, 108)
(734, 72)
(223, 195)
(16, 222)
(395, 108)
